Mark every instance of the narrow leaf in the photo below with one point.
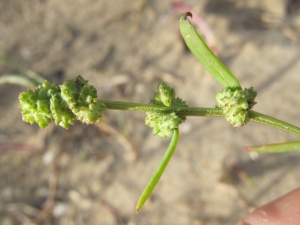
(159, 171)
(205, 56)
(276, 148)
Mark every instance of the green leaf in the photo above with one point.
(159, 171)
(276, 148)
(205, 56)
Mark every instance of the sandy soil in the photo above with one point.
(84, 175)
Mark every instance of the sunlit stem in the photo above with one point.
(182, 111)
(272, 122)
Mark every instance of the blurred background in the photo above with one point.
(94, 174)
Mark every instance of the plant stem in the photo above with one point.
(182, 111)
(196, 111)
(33, 75)
(272, 122)
(15, 79)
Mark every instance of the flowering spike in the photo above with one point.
(63, 104)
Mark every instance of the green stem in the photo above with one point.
(182, 111)
(33, 75)
(272, 122)
(16, 79)
(159, 171)
(196, 111)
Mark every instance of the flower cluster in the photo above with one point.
(164, 123)
(74, 99)
(236, 104)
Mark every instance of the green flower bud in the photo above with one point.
(163, 124)
(36, 104)
(236, 104)
(166, 94)
(82, 100)
(62, 115)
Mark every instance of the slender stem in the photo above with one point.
(15, 79)
(33, 75)
(159, 171)
(272, 122)
(196, 111)
(182, 111)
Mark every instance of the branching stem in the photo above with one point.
(196, 111)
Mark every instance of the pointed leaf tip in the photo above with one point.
(188, 14)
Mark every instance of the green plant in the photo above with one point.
(30, 78)
(76, 99)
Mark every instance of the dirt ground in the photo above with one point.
(92, 175)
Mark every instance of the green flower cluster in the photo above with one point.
(74, 99)
(164, 123)
(236, 104)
